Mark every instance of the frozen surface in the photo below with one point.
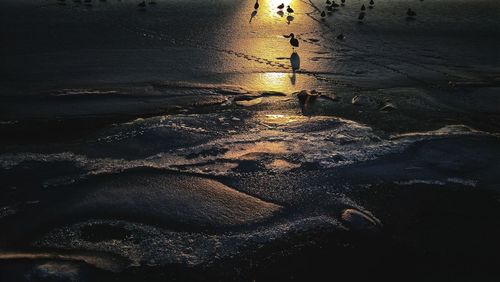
(178, 136)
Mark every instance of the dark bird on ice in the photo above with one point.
(363, 7)
(256, 6)
(281, 6)
(289, 9)
(252, 15)
(293, 41)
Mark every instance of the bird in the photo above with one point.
(323, 14)
(363, 7)
(252, 15)
(340, 36)
(256, 6)
(411, 13)
(328, 2)
(281, 6)
(307, 97)
(142, 4)
(343, 1)
(293, 41)
(372, 2)
(289, 9)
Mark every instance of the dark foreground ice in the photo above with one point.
(175, 142)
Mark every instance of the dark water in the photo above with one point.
(174, 142)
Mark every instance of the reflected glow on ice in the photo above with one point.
(285, 82)
(281, 119)
(275, 81)
(281, 165)
(252, 150)
(273, 4)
